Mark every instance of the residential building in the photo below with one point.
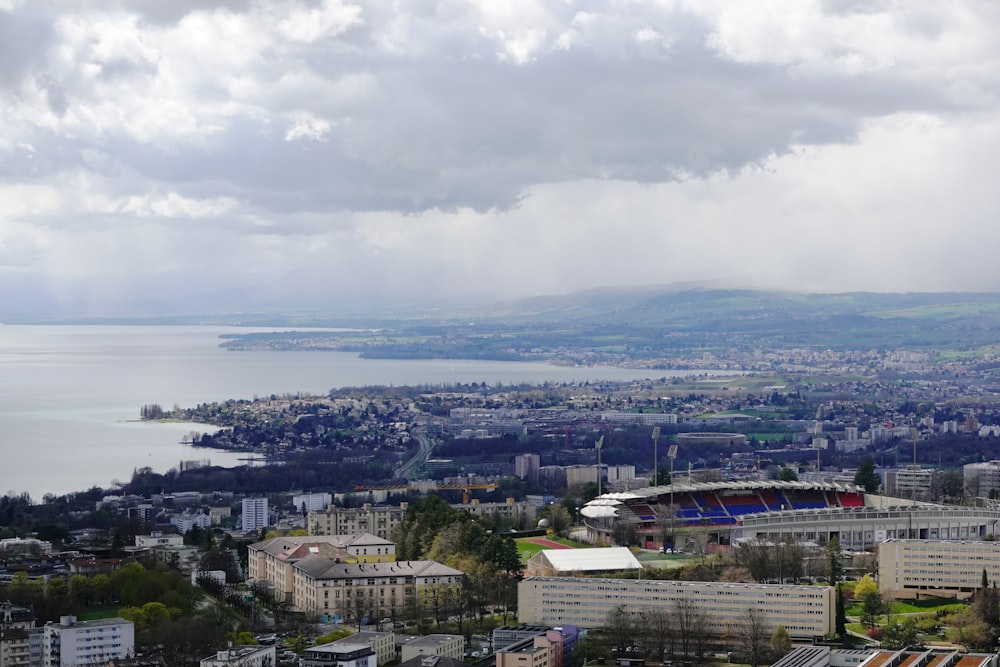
(580, 475)
(908, 482)
(520, 514)
(311, 502)
(543, 650)
(185, 522)
(339, 654)
(640, 418)
(446, 646)
(805, 611)
(383, 643)
(272, 560)
(982, 478)
(14, 647)
(158, 540)
(72, 642)
(255, 514)
(526, 466)
(911, 568)
(323, 586)
(379, 520)
(243, 656)
(15, 616)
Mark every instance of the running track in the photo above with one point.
(549, 544)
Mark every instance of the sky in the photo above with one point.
(200, 155)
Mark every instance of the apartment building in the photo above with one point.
(73, 642)
(255, 515)
(445, 646)
(379, 520)
(383, 643)
(909, 568)
(272, 560)
(339, 654)
(982, 478)
(243, 656)
(805, 611)
(322, 586)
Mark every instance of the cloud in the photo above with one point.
(448, 146)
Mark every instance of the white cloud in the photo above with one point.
(507, 148)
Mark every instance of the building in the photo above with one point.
(15, 647)
(158, 540)
(982, 478)
(255, 514)
(444, 646)
(506, 635)
(185, 522)
(639, 418)
(580, 475)
(383, 643)
(908, 482)
(311, 502)
(526, 466)
(323, 586)
(520, 514)
(566, 562)
(537, 646)
(73, 642)
(20, 641)
(823, 656)
(861, 528)
(378, 520)
(806, 612)
(911, 568)
(243, 656)
(272, 560)
(339, 654)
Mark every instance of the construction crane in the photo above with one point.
(466, 488)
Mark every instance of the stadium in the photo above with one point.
(708, 515)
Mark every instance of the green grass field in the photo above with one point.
(913, 606)
(526, 549)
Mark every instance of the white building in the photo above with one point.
(526, 466)
(340, 654)
(981, 478)
(243, 656)
(805, 611)
(185, 522)
(158, 540)
(312, 502)
(71, 642)
(255, 514)
(447, 646)
(909, 568)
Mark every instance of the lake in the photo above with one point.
(70, 395)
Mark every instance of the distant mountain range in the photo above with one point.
(643, 316)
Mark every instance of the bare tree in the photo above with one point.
(692, 630)
(659, 633)
(751, 637)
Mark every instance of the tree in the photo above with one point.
(896, 635)
(788, 475)
(833, 554)
(781, 642)
(751, 637)
(871, 608)
(866, 586)
(866, 476)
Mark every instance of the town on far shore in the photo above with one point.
(819, 509)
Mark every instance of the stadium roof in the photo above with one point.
(584, 560)
(691, 487)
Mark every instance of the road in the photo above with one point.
(423, 453)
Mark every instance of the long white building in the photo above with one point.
(805, 611)
(909, 568)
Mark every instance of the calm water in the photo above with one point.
(68, 394)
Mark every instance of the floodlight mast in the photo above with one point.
(656, 440)
(600, 443)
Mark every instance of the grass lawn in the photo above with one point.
(913, 606)
(526, 549)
